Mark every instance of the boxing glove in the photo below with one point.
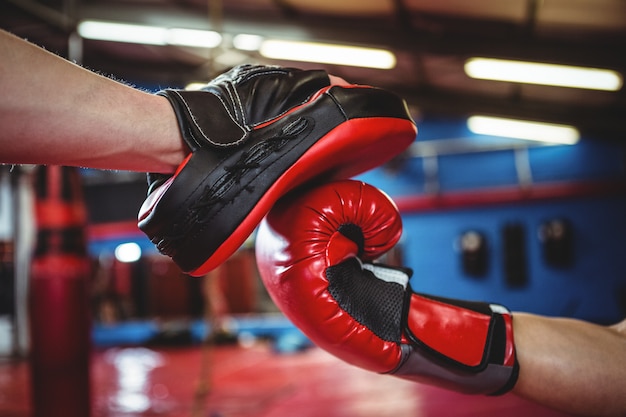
(256, 132)
(315, 252)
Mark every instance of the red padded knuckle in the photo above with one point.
(299, 239)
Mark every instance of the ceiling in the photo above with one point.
(431, 40)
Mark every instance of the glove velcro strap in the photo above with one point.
(466, 344)
(466, 335)
(461, 345)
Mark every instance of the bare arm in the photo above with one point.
(55, 112)
(571, 365)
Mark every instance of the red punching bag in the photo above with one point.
(59, 311)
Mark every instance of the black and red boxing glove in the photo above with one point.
(256, 132)
(315, 252)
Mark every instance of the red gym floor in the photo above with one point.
(253, 381)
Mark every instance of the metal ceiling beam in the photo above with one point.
(64, 19)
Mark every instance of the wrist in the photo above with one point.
(168, 146)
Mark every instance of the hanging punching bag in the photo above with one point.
(59, 312)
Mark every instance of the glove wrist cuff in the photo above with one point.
(204, 120)
(419, 366)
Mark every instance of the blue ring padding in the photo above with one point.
(276, 327)
(126, 333)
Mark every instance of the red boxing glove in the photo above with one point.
(315, 252)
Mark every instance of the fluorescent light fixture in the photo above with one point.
(544, 74)
(122, 32)
(194, 37)
(246, 42)
(327, 54)
(128, 252)
(522, 129)
(148, 35)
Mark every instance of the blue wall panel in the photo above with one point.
(589, 289)
(480, 170)
(586, 161)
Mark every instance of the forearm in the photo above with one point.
(55, 112)
(571, 365)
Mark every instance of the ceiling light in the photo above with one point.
(327, 54)
(148, 35)
(544, 74)
(247, 42)
(122, 32)
(194, 37)
(522, 129)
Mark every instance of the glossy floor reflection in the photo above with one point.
(253, 382)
